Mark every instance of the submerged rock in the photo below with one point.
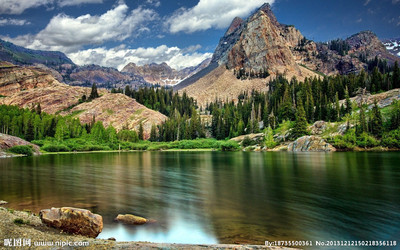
(131, 219)
(311, 144)
(73, 220)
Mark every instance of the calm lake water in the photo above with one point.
(217, 197)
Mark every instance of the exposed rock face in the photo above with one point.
(318, 127)
(54, 97)
(14, 79)
(103, 77)
(162, 73)
(310, 144)
(118, 110)
(132, 219)
(259, 137)
(8, 141)
(383, 99)
(262, 46)
(73, 220)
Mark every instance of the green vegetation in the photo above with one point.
(22, 149)
(19, 221)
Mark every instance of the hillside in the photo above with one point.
(26, 87)
(261, 46)
(19, 55)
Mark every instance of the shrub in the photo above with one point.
(22, 150)
(365, 140)
(391, 139)
(230, 146)
(55, 148)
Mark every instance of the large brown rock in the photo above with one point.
(8, 141)
(310, 144)
(73, 220)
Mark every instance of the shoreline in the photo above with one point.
(33, 229)
(375, 149)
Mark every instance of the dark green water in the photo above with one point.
(210, 197)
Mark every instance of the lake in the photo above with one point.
(218, 197)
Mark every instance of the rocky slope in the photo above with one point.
(8, 141)
(260, 43)
(33, 87)
(118, 110)
(163, 74)
(14, 79)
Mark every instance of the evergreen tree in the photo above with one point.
(376, 123)
(396, 75)
(153, 133)
(300, 125)
(94, 94)
(140, 134)
(348, 102)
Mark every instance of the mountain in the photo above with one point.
(28, 86)
(21, 56)
(254, 50)
(392, 45)
(163, 74)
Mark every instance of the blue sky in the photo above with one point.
(181, 33)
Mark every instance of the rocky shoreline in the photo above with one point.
(27, 227)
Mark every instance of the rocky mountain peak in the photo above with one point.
(266, 9)
(237, 21)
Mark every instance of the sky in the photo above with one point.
(181, 33)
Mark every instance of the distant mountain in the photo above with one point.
(21, 56)
(162, 74)
(392, 45)
(254, 50)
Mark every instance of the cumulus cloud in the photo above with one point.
(211, 14)
(11, 21)
(69, 34)
(120, 56)
(17, 7)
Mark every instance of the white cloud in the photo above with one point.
(68, 34)
(156, 3)
(12, 21)
(367, 2)
(17, 7)
(211, 14)
(120, 56)
(63, 3)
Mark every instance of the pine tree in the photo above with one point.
(348, 102)
(140, 133)
(153, 133)
(300, 125)
(396, 75)
(376, 123)
(94, 94)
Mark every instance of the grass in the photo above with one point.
(316, 72)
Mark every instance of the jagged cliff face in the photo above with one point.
(26, 87)
(263, 45)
